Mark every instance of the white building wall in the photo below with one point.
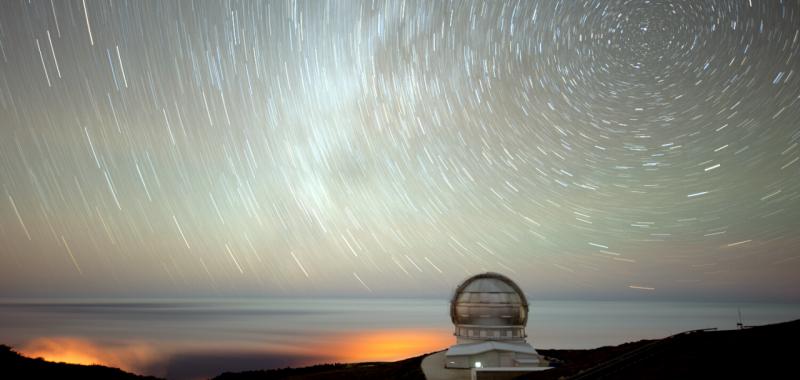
(493, 358)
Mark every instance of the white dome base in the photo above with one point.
(491, 354)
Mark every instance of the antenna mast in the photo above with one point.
(739, 324)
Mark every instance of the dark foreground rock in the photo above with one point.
(408, 369)
(763, 352)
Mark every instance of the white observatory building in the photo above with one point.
(490, 312)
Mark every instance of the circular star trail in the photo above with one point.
(592, 148)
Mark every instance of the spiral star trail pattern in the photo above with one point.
(584, 148)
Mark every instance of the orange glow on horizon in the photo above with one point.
(388, 345)
(343, 347)
(130, 357)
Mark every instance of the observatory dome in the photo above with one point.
(489, 306)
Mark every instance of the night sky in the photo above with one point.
(583, 148)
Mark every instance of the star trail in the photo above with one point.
(584, 148)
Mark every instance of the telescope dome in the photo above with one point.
(489, 306)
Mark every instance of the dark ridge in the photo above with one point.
(15, 366)
(763, 352)
(408, 369)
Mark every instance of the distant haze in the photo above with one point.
(592, 149)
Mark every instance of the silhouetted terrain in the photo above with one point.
(15, 366)
(763, 352)
(408, 369)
